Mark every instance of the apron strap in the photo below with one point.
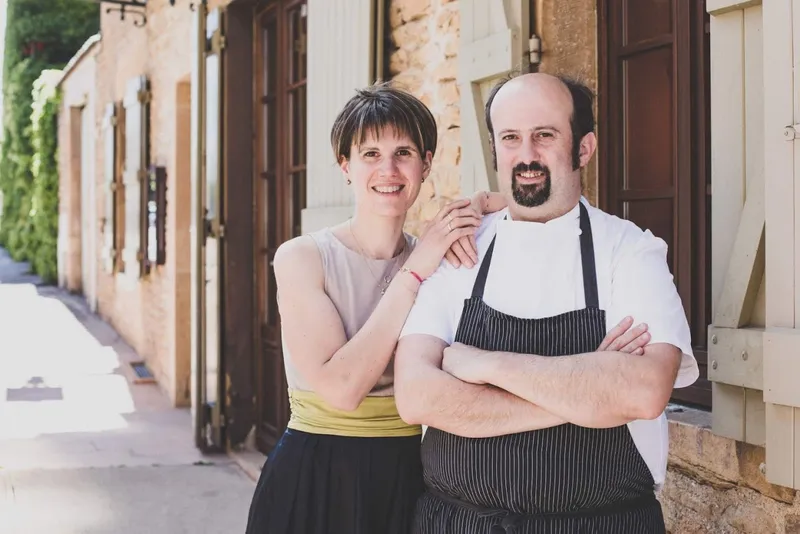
(587, 263)
(483, 271)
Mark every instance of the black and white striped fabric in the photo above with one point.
(565, 479)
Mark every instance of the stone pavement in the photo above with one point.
(82, 448)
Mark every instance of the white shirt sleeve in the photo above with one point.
(643, 287)
(433, 311)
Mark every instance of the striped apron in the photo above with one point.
(565, 479)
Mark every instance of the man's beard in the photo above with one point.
(530, 195)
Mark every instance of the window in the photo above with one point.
(155, 236)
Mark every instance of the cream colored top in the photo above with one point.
(353, 283)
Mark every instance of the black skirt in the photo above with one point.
(321, 484)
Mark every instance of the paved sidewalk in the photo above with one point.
(83, 449)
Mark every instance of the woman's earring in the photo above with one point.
(348, 181)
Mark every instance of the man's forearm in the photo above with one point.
(593, 389)
(445, 402)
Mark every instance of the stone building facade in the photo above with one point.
(150, 312)
(733, 462)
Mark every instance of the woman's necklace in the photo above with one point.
(383, 285)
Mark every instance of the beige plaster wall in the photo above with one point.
(77, 88)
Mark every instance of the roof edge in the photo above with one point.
(82, 52)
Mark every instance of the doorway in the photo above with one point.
(280, 190)
(654, 124)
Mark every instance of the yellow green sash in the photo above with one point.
(374, 417)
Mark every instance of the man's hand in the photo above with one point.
(623, 338)
(465, 363)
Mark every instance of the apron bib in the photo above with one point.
(565, 479)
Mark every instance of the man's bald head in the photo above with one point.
(533, 85)
(560, 92)
(541, 129)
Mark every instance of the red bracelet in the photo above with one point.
(415, 275)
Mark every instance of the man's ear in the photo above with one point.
(587, 148)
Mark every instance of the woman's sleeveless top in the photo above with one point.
(353, 283)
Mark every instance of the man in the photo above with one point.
(520, 440)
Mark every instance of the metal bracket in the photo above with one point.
(138, 8)
(535, 49)
(130, 8)
(791, 132)
(144, 96)
(217, 42)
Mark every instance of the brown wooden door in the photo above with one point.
(654, 142)
(280, 189)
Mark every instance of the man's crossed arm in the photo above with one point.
(475, 393)
(425, 394)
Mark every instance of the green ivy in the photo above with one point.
(16, 178)
(41, 36)
(44, 167)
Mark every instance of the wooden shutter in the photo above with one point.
(494, 41)
(330, 83)
(110, 250)
(137, 105)
(737, 221)
(754, 342)
(119, 200)
(781, 212)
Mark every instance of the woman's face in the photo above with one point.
(386, 173)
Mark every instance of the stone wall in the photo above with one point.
(716, 484)
(424, 61)
(425, 35)
(568, 33)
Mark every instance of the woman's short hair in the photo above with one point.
(374, 108)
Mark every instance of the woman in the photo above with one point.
(347, 463)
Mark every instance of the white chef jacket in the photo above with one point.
(536, 272)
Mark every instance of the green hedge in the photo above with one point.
(44, 167)
(16, 178)
(41, 35)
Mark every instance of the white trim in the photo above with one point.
(718, 7)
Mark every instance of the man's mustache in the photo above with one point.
(533, 166)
